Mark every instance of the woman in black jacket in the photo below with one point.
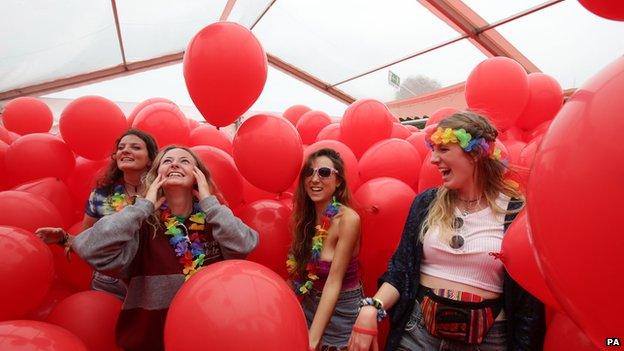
(445, 287)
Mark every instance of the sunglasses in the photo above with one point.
(457, 240)
(323, 172)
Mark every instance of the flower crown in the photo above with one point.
(464, 139)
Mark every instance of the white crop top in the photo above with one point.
(472, 263)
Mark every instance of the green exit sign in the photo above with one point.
(394, 79)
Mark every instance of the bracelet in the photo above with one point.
(371, 301)
(366, 331)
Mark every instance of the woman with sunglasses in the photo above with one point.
(323, 260)
(134, 153)
(161, 240)
(445, 287)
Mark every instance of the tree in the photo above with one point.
(416, 85)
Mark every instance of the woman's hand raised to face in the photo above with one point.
(203, 188)
(152, 191)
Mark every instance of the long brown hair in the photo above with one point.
(304, 211)
(113, 174)
(489, 174)
(152, 174)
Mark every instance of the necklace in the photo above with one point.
(119, 199)
(189, 243)
(317, 246)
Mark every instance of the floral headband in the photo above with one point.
(463, 138)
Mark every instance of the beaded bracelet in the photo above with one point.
(371, 301)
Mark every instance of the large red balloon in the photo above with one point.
(418, 140)
(90, 125)
(521, 263)
(252, 193)
(27, 211)
(310, 124)
(350, 162)
(330, 132)
(4, 135)
(613, 10)
(224, 173)
(206, 134)
(244, 305)
(430, 176)
(225, 69)
(268, 152)
(38, 155)
(142, 105)
(563, 335)
(55, 191)
(295, 112)
(538, 131)
(26, 115)
(83, 179)
(23, 335)
(57, 292)
(400, 131)
(574, 198)
(394, 158)
(440, 114)
(271, 219)
(498, 88)
(74, 272)
(4, 174)
(91, 316)
(165, 122)
(27, 271)
(365, 122)
(514, 148)
(545, 100)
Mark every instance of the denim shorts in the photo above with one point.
(416, 337)
(338, 329)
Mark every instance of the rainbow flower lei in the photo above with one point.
(299, 286)
(464, 139)
(119, 199)
(189, 243)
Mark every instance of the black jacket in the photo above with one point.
(525, 314)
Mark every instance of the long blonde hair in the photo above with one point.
(490, 176)
(152, 174)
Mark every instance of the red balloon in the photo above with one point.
(514, 147)
(310, 124)
(430, 176)
(4, 135)
(252, 193)
(498, 88)
(55, 191)
(27, 211)
(271, 219)
(244, 305)
(545, 100)
(165, 122)
(38, 155)
(365, 122)
(330, 132)
(25, 335)
(91, 316)
(563, 335)
(225, 69)
(275, 142)
(27, 271)
(192, 124)
(400, 131)
(513, 133)
(574, 203)
(383, 204)
(83, 179)
(223, 172)
(4, 181)
(90, 125)
(143, 104)
(521, 263)
(440, 114)
(57, 292)
(211, 136)
(613, 10)
(295, 112)
(527, 154)
(394, 158)
(350, 162)
(74, 272)
(538, 131)
(26, 115)
(411, 128)
(418, 141)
